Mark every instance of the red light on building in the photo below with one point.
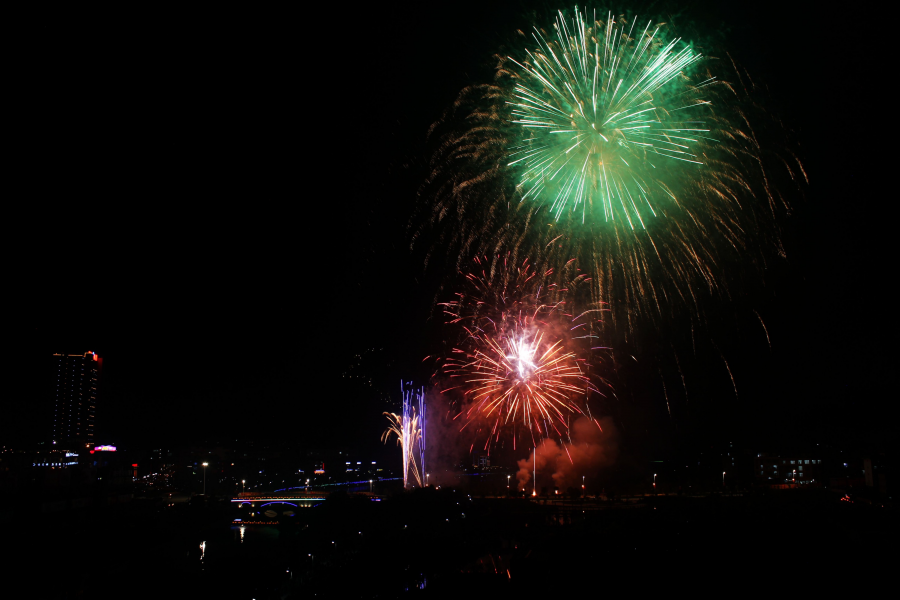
(133, 464)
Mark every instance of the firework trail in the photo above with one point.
(409, 429)
(608, 140)
(522, 364)
(420, 401)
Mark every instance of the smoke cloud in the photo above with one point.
(445, 447)
(592, 447)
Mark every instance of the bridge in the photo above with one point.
(303, 499)
(300, 499)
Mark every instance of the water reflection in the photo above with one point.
(251, 534)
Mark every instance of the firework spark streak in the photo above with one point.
(517, 366)
(409, 428)
(420, 397)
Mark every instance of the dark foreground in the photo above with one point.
(443, 544)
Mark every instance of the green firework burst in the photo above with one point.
(658, 167)
(604, 111)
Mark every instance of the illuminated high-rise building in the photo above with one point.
(76, 378)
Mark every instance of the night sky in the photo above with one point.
(218, 203)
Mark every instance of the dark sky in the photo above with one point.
(217, 203)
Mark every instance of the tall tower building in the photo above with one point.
(76, 378)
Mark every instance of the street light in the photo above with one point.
(507, 485)
(723, 478)
(243, 481)
(204, 477)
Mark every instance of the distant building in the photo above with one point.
(75, 380)
(777, 470)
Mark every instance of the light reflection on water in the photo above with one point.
(253, 533)
(241, 539)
